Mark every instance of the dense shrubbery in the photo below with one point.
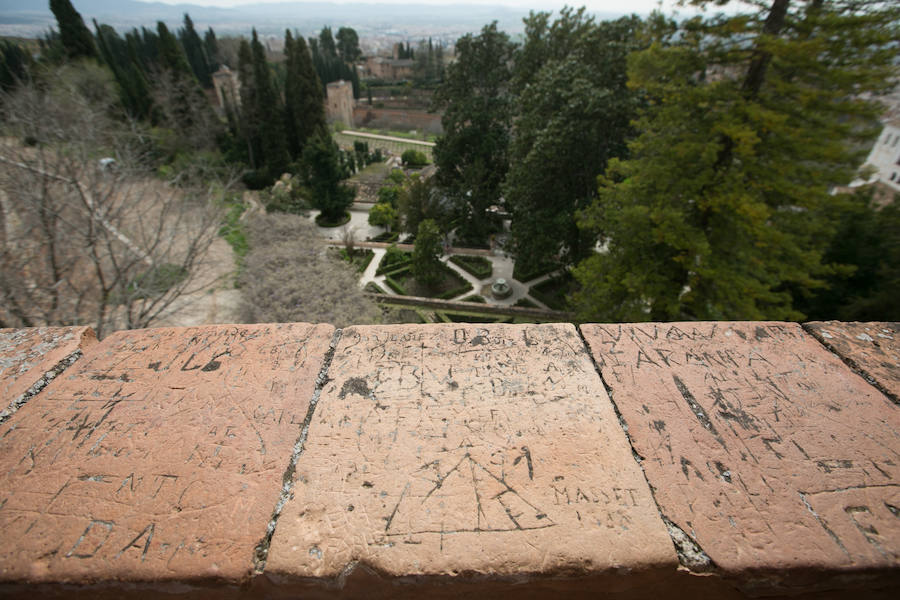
(414, 158)
(393, 259)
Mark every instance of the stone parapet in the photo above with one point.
(31, 358)
(701, 460)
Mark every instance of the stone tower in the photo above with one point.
(340, 102)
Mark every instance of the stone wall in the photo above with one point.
(339, 104)
(701, 460)
(396, 119)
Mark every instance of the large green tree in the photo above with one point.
(865, 249)
(722, 210)
(303, 97)
(323, 176)
(74, 34)
(120, 57)
(574, 113)
(427, 267)
(348, 45)
(331, 62)
(418, 201)
(261, 110)
(471, 156)
(195, 50)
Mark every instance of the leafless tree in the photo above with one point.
(87, 234)
(348, 238)
(289, 276)
(184, 111)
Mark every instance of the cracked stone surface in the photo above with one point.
(28, 355)
(872, 348)
(759, 443)
(459, 450)
(158, 456)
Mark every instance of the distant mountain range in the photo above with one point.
(30, 18)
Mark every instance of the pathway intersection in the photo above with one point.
(501, 262)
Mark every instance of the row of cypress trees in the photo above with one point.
(161, 76)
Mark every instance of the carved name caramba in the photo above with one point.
(759, 442)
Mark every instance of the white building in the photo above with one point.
(885, 156)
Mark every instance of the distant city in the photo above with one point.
(379, 25)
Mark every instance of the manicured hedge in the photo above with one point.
(394, 285)
(394, 268)
(523, 276)
(458, 291)
(477, 266)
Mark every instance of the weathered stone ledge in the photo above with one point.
(710, 460)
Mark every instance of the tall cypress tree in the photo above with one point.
(249, 115)
(134, 92)
(211, 46)
(303, 97)
(170, 52)
(196, 52)
(472, 156)
(75, 36)
(14, 65)
(269, 111)
(184, 97)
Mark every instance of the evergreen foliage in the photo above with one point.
(722, 211)
(864, 283)
(414, 158)
(348, 45)
(195, 50)
(427, 267)
(329, 63)
(121, 57)
(171, 54)
(303, 97)
(383, 215)
(574, 110)
(262, 111)
(15, 64)
(419, 201)
(472, 156)
(323, 177)
(211, 47)
(74, 34)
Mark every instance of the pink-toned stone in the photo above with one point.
(31, 358)
(458, 450)
(159, 456)
(871, 348)
(759, 443)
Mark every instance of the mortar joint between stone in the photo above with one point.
(39, 385)
(852, 364)
(261, 552)
(690, 554)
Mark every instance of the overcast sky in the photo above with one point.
(613, 6)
